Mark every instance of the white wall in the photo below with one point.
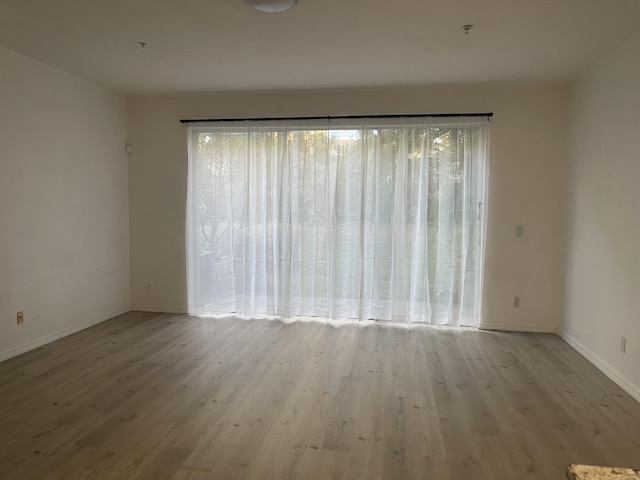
(64, 252)
(603, 274)
(527, 185)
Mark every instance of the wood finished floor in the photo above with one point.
(156, 396)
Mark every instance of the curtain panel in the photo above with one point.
(343, 221)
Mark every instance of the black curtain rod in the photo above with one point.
(341, 117)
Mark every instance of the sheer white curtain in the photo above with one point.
(375, 222)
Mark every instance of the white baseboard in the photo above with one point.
(509, 327)
(611, 372)
(14, 352)
(147, 308)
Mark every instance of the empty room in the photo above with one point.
(304, 239)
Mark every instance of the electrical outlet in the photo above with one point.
(20, 318)
(516, 302)
(623, 344)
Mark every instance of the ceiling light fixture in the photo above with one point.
(466, 29)
(272, 6)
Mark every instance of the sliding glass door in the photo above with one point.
(368, 221)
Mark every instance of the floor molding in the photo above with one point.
(509, 327)
(150, 309)
(32, 345)
(611, 372)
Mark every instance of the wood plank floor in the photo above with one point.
(157, 396)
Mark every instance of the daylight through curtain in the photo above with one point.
(377, 222)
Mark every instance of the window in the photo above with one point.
(369, 221)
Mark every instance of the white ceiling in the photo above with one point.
(225, 45)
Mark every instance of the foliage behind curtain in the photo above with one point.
(368, 222)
